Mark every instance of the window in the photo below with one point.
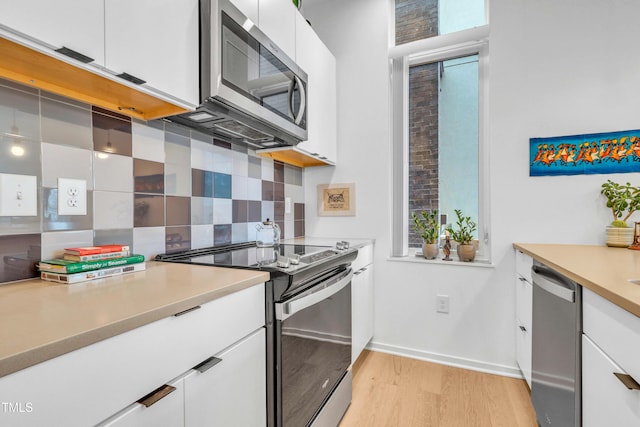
(438, 96)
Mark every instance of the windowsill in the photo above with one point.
(413, 258)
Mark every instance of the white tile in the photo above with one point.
(239, 187)
(65, 162)
(267, 169)
(222, 160)
(149, 241)
(53, 243)
(177, 170)
(147, 142)
(240, 164)
(201, 236)
(296, 193)
(222, 211)
(202, 155)
(112, 172)
(239, 233)
(251, 231)
(112, 210)
(254, 189)
(201, 210)
(289, 229)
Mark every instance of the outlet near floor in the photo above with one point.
(72, 196)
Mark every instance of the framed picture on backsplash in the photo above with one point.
(337, 199)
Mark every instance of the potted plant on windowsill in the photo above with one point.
(621, 199)
(427, 226)
(463, 235)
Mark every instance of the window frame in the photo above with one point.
(473, 41)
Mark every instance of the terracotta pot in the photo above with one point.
(619, 237)
(430, 250)
(466, 253)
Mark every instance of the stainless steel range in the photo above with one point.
(308, 325)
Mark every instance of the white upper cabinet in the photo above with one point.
(249, 8)
(156, 41)
(320, 65)
(277, 19)
(75, 24)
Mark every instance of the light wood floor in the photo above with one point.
(393, 391)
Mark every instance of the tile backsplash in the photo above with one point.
(154, 185)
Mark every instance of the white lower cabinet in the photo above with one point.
(362, 301)
(606, 401)
(524, 312)
(230, 390)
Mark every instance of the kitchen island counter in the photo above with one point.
(604, 270)
(42, 320)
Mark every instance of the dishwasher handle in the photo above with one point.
(552, 282)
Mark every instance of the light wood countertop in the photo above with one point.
(41, 320)
(606, 271)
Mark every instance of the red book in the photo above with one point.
(101, 249)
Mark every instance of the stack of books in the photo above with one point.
(90, 263)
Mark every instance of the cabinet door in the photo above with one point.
(231, 392)
(166, 412)
(605, 400)
(155, 41)
(361, 310)
(277, 19)
(75, 24)
(320, 65)
(249, 8)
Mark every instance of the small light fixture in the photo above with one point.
(17, 149)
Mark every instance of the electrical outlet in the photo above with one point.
(442, 303)
(72, 196)
(287, 205)
(18, 195)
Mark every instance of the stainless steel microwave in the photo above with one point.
(251, 91)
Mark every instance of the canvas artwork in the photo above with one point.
(336, 200)
(599, 153)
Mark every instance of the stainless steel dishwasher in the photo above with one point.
(556, 354)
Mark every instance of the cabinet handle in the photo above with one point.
(188, 310)
(207, 364)
(522, 328)
(75, 55)
(627, 380)
(133, 79)
(522, 279)
(156, 395)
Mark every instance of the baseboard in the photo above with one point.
(458, 362)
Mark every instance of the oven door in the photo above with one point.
(313, 341)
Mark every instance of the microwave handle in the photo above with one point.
(303, 100)
(292, 85)
(285, 310)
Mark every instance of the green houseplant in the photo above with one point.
(463, 235)
(623, 200)
(427, 226)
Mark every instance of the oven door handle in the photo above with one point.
(287, 309)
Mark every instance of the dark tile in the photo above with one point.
(239, 211)
(278, 172)
(148, 210)
(110, 113)
(111, 134)
(240, 148)
(202, 137)
(298, 228)
(18, 86)
(148, 176)
(201, 183)
(298, 211)
(66, 124)
(267, 191)
(278, 192)
(177, 239)
(19, 254)
(278, 211)
(20, 132)
(221, 234)
(122, 236)
(255, 167)
(51, 221)
(177, 129)
(222, 144)
(221, 185)
(282, 229)
(178, 210)
(254, 211)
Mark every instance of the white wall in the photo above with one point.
(556, 68)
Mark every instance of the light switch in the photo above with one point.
(72, 196)
(287, 205)
(18, 195)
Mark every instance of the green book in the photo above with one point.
(68, 267)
